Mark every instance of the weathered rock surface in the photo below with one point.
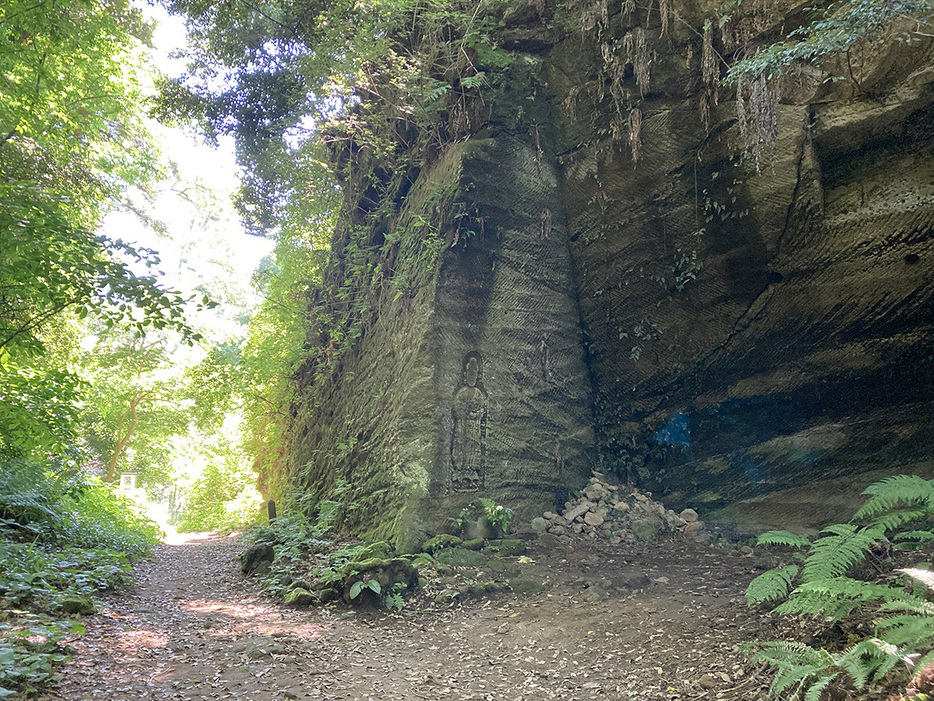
(744, 329)
(256, 559)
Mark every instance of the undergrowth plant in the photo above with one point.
(63, 539)
(498, 516)
(848, 571)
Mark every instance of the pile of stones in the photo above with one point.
(618, 514)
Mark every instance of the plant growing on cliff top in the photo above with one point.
(838, 29)
(899, 514)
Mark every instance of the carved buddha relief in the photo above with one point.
(468, 436)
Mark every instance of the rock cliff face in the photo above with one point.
(708, 327)
(750, 329)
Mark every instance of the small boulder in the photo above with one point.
(441, 541)
(631, 578)
(77, 605)
(693, 528)
(593, 519)
(460, 557)
(299, 597)
(539, 524)
(510, 547)
(481, 528)
(381, 549)
(572, 514)
(257, 559)
(688, 515)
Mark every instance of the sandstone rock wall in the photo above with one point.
(752, 330)
(717, 325)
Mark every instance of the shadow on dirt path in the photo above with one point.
(194, 628)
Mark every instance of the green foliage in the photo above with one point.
(224, 496)
(394, 600)
(499, 516)
(825, 588)
(772, 585)
(832, 555)
(39, 583)
(896, 495)
(357, 587)
(31, 647)
(58, 505)
(806, 672)
(291, 536)
(836, 29)
(783, 538)
(49, 265)
(41, 578)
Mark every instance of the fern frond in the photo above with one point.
(898, 518)
(916, 536)
(913, 605)
(783, 538)
(884, 495)
(836, 597)
(912, 631)
(832, 555)
(926, 660)
(868, 660)
(771, 585)
(782, 653)
(817, 688)
(799, 665)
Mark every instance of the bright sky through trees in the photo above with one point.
(203, 242)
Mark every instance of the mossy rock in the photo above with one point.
(504, 567)
(77, 605)
(440, 542)
(646, 530)
(328, 594)
(421, 560)
(381, 549)
(299, 597)
(475, 544)
(526, 586)
(509, 547)
(447, 597)
(461, 557)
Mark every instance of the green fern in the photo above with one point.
(832, 555)
(836, 597)
(898, 518)
(868, 661)
(912, 630)
(914, 538)
(817, 688)
(783, 538)
(906, 626)
(771, 585)
(885, 495)
(799, 666)
(802, 669)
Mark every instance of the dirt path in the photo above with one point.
(194, 628)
